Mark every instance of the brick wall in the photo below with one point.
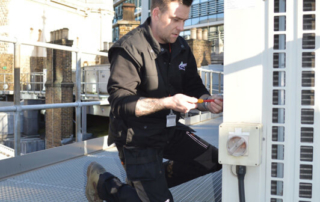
(59, 89)
(4, 11)
(201, 50)
(125, 28)
(6, 60)
(6, 66)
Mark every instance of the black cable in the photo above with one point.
(241, 172)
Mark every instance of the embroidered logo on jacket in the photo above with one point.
(182, 66)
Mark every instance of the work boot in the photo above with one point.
(93, 173)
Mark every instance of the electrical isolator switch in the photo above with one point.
(237, 143)
(240, 144)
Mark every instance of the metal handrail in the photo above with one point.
(6, 150)
(32, 74)
(17, 108)
(211, 72)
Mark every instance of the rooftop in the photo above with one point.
(65, 181)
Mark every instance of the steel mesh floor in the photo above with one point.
(66, 181)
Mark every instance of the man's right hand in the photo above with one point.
(180, 103)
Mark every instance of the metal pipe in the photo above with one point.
(17, 51)
(78, 97)
(51, 106)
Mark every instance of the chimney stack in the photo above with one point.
(128, 11)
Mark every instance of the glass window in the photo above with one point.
(212, 18)
(195, 21)
(220, 16)
(195, 2)
(204, 19)
(187, 22)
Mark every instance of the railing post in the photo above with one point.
(211, 83)
(219, 83)
(97, 80)
(205, 79)
(78, 97)
(17, 51)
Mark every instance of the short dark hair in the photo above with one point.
(163, 4)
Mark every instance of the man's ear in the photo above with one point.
(156, 13)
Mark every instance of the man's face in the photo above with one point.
(169, 24)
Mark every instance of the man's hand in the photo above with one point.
(214, 107)
(180, 103)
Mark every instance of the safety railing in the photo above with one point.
(6, 150)
(97, 91)
(213, 80)
(17, 108)
(32, 81)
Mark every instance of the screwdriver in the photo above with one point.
(201, 100)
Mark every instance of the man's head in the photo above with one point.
(167, 18)
(163, 4)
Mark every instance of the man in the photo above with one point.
(154, 79)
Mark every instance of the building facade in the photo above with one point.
(207, 15)
(83, 24)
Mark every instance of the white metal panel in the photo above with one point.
(286, 183)
(243, 94)
(316, 163)
(277, 186)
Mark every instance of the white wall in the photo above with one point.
(88, 29)
(244, 48)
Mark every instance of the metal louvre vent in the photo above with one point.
(307, 116)
(279, 42)
(308, 59)
(309, 22)
(305, 190)
(280, 23)
(306, 172)
(283, 158)
(309, 5)
(276, 200)
(279, 79)
(277, 152)
(308, 79)
(278, 97)
(278, 115)
(277, 187)
(279, 60)
(309, 41)
(279, 6)
(277, 170)
(307, 97)
(278, 133)
(306, 153)
(307, 134)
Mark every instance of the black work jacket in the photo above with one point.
(139, 69)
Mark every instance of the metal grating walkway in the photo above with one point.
(66, 181)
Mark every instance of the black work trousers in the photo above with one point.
(149, 178)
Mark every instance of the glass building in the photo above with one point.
(204, 14)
